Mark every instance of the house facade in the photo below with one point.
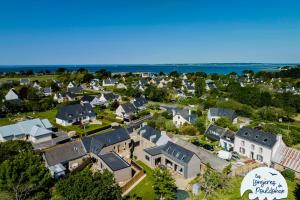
(11, 95)
(256, 144)
(76, 113)
(180, 160)
(214, 114)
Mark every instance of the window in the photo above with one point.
(252, 147)
(147, 157)
(259, 158)
(243, 143)
(242, 150)
(260, 150)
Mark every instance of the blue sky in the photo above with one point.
(156, 31)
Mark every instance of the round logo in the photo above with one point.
(264, 183)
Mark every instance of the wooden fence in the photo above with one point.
(135, 178)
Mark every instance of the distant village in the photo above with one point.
(187, 123)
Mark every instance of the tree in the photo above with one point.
(288, 174)
(25, 175)
(86, 185)
(212, 180)
(164, 184)
(199, 87)
(187, 129)
(87, 78)
(115, 104)
(11, 148)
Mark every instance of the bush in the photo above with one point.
(288, 174)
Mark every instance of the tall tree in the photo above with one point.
(26, 176)
(164, 184)
(86, 185)
(199, 87)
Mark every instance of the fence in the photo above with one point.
(244, 169)
(134, 179)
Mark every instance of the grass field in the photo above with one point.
(31, 78)
(145, 188)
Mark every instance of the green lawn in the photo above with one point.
(5, 195)
(31, 78)
(232, 192)
(145, 188)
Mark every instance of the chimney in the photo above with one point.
(173, 111)
(163, 132)
(279, 137)
(190, 112)
(144, 124)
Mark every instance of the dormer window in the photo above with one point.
(265, 140)
(246, 133)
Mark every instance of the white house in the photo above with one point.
(182, 116)
(210, 85)
(107, 97)
(11, 95)
(47, 91)
(125, 111)
(93, 100)
(71, 85)
(76, 113)
(256, 144)
(35, 131)
(109, 82)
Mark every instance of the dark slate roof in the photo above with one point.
(112, 137)
(75, 90)
(47, 90)
(87, 98)
(143, 81)
(114, 161)
(229, 136)
(139, 102)
(64, 153)
(148, 133)
(92, 145)
(214, 132)
(128, 107)
(110, 81)
(153, 151)
(223, 112)
(70, 112)
(109, 96)
(24, 80)
(257, 136)
(185, 114)
(177, 153)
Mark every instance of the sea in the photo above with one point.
(209, 68)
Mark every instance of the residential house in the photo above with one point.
(75, 89)
(64, 97)
(36, 85)
(71, 85)
(109, 82)
(140, 103)
(177, 158)
(58, 83)
(181, 116)
(11, 95)
(223, 135)
(152, 137)
(121, 86)
(114, 163)
(93, 100)
(210, 85)
(105, 149)
(35, 130)
(108, 97)
(76, 113)
(126, 111)
(47, 91)
(215, 113)
(24, 81)
(256, 144)
(70, 155)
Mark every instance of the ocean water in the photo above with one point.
(220, 68)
